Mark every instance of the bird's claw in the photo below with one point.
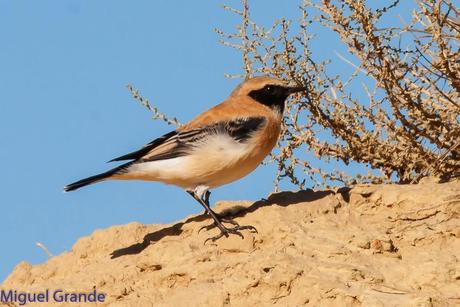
(222, 220)
(235, 230)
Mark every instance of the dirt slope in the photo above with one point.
(385, 245)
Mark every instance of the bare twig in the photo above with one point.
(154, 110)
(44, 248)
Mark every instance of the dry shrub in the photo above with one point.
(408, 128)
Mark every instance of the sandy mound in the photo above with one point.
(386, 245)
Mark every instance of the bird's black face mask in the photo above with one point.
(274, 96)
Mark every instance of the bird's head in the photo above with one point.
(267, 91)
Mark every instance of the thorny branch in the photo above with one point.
(408, 129)
(156, 114)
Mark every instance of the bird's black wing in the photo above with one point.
(176, 144)
(241, 129)
(135, 155)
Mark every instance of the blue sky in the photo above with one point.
(65, 110)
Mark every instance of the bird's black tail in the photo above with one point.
(96, 178)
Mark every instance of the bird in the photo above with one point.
(219, 146)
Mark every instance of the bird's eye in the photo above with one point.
(269, 89)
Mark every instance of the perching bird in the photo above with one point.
(219, 146)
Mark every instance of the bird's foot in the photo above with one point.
(224, 231)
(222, 220)
(218, 219)
(235, 230)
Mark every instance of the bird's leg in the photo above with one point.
(205, 204)
(224, 231)
(205, 198)
(222, 219)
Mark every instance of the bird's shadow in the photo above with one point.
(283, 199)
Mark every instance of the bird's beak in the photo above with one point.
(295, 89)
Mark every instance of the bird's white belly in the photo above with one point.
(216, 161)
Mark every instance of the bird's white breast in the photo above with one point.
(216, 160)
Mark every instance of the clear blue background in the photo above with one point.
(65, 110)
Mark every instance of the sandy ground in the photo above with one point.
(385, 245)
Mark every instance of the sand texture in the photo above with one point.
(376, 245)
